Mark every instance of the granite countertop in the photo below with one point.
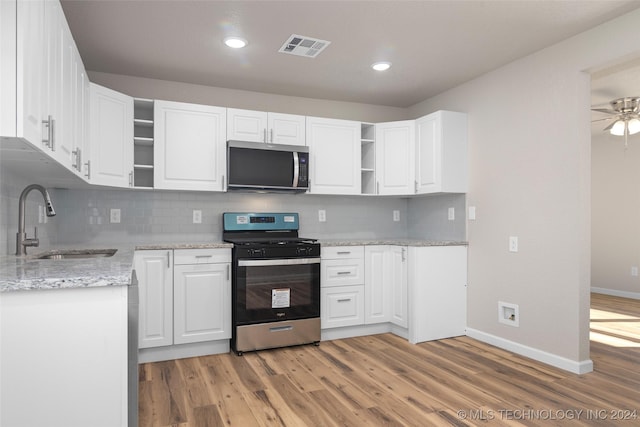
(391, 241)
(26, 273)
(29, 273)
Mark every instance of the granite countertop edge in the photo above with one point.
(29, 273)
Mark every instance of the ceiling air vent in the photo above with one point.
(303, 46)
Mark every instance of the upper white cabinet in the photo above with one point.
(437, 292)
(189, 146)
(395, 157)
(334, 147)
(111, 128)
(442, 163)
(260, 126)
(43, 80)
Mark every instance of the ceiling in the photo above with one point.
(433, 45)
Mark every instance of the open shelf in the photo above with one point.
(143, 143)
(368, 158)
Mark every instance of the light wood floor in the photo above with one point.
(383, 380)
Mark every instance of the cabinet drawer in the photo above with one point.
(340, 272)
(201, 256)
(342, 252)
(342, 306)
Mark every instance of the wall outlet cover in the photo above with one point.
(396, 216)
(322, 215)
(451, 214)
(114, 216)
(197, 216)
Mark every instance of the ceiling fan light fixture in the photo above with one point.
(618, 128)
(633, 126)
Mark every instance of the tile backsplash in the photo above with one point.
(83, 216)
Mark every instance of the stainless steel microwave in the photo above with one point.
(257, 166)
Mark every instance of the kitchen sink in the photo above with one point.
(76, 254)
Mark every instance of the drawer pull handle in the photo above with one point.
(342, 273)
(344, 300)
(344, 252)
(281, 329)
(204, 256)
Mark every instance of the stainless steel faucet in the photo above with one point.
(22, 241)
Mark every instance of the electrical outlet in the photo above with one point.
(396, 216)
(197, 216)
(472, 213)
(513, 243)
(451, 214)
(322, 215)
(114, 216)
(634, 271)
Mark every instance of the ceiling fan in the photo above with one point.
(625, 115)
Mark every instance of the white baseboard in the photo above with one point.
(573, 366)
(182, 351)
(616, 293)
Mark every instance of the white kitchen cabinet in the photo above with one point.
(189, 147)
(261, 126)
(111, 141)
(154, 270)
(437, 292)
(385, 285)
(334, 164)
(395, 157)
(202, 295)
(64, 357)
(342, 286)
(342, 306)
(442, 163)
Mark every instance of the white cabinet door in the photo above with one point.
(437, 292)
(342, 306)
(246, 125)
(334, 163)
(397, 263)
(377, 285)
(441, 153)
(202, 302)
(189, 148)
(154, 270)
(286, 129)
(260, 126)
(395, 162)
(111, 128)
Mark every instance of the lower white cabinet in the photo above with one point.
(64, 357)
(154, 270)
(201, 298)
(386, 285)
(185, 296)
(342, 306)
(438, 292)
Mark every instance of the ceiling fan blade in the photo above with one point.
(609, 127)
(604, 110)
(600, 120)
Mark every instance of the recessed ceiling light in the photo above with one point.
(381, 66)
(235, 42)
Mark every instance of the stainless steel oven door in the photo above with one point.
(268, 290)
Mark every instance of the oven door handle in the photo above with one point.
(285, 261)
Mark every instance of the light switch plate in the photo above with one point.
(513, 243)
(451, 214)
(472, 213)
(396, 216)
(322, 215)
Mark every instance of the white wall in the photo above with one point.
(615, 244)
(183, 92)
(529, 131)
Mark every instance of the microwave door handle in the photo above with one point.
(296, 169)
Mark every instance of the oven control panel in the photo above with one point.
(247, 221)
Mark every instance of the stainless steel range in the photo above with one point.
(275, 281)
